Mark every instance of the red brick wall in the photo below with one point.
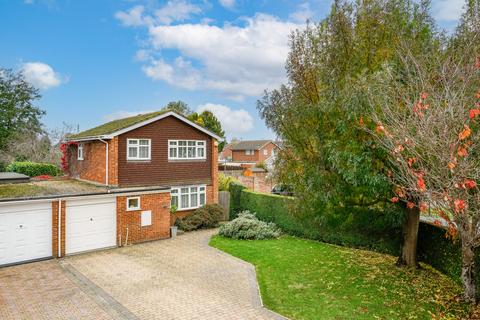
(55, 228)
(269, 147)
(159, 204)
(258, 156)
(92, 168)
(240, 156)
(159, 170)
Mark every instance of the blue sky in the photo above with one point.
(99, 60)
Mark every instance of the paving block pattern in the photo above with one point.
(181, 278)
(42, 290)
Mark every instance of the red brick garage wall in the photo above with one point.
(158, 203)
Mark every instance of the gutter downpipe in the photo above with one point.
(106, 160)
(59, 227)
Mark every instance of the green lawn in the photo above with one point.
(304, 279)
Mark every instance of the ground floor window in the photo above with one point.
(188, 197)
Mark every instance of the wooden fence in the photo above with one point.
(224, 202)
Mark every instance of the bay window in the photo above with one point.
(188, 197)
(186, 149)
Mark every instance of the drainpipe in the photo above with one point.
(59, 228)
(106, 161)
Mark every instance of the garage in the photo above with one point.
(90, 224)
(25, 231)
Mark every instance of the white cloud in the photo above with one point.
(303, 13)
(233, 121)
(229, 4)
(124, 114)
(448, 10)
(133, 17)
(172, 11)
(179, 10)
(41, 75)
(235, 60)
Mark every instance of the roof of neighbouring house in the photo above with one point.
(250, 144)
(120, 125)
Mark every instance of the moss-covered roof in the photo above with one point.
(115, 125)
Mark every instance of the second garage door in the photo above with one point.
(90, 224)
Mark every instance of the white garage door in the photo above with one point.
(90, 224)
(25, 232)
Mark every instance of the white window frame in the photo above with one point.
(179, 194)
(197, 145)
(265, 152)
(80, 152)
(133, 208)
(249, 152)
(137, 158)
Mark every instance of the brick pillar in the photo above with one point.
(215, 170)
(55, 228)
(113, 161)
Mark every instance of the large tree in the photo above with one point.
(329, 161)
(179, 107)
(18, 114)
(208, 120)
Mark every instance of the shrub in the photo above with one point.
(207, 216)
(247, 226)
(224, 182)
(3, 167)
(33, 169)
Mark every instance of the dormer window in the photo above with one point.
(138, 149)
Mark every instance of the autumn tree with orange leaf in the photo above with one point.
(428, 122)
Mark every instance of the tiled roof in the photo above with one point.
(250, 144)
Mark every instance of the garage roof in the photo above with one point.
(57, 188)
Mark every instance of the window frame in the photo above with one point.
(249, 152)
(135, 208)
(265, 152)
(174, 144)
(137, 158)
(198, 194)
(80, 150)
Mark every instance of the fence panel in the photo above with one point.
(224, 202)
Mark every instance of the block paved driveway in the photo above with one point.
(180, 278)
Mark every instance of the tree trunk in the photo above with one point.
(468, 272)
(408, 254)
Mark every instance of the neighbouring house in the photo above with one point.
(123, 178)
(226, 154)
(253, 152)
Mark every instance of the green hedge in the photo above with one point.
(362, 228)
(33, 169)
(356, 228)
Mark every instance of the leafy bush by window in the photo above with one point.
(207, 216)
(247, 226)
(33, 169)
(224, 182)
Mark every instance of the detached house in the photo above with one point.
(252, 152)
(125, 176)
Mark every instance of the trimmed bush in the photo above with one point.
(247, 226)
(33, 169)
(207, 216)
(354, 227)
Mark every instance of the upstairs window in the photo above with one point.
(138, 149)
(249, 152)
(265, 152)
(80, 152)
(186, 149)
